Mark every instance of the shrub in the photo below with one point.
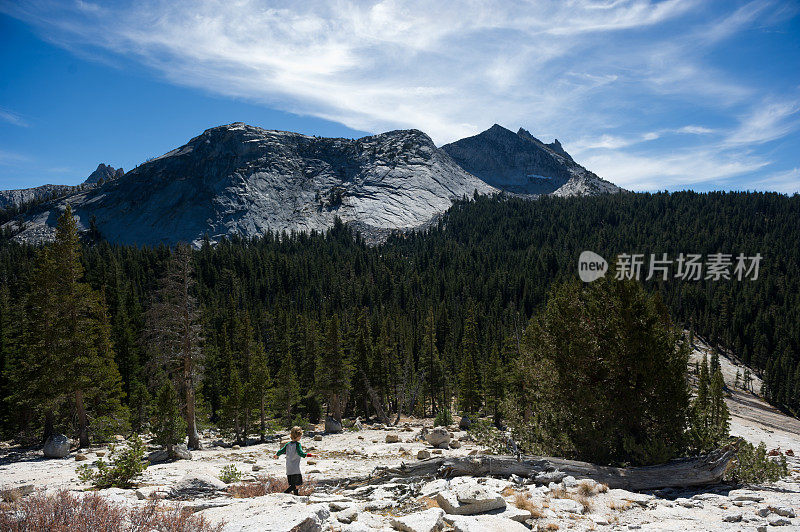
(487, 436)
(230, 474)
(168, 426)
(443, 418)
(127, 464)
(752, 465)
(68, 512)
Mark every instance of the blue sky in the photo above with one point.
(652, 95)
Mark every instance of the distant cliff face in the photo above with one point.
(21, 196)
(522, 164)
(239, 179)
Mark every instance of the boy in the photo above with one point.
(294, 451)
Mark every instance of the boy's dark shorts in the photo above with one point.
(295, 480)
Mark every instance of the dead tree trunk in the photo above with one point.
(376, 401)
(684, 472)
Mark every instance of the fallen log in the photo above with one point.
(679, 473)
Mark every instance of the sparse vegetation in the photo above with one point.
(264, 485)
(443, 418)
(752, 465)
(230, 474)
(127, 464)
(68, 512)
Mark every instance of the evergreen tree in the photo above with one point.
(470, 391)
(261, 384)
(333, 372)
(169, 426)
(431, 363)
(287, 391)
(174, 331)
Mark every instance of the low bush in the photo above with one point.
(68, 512)
(752, 465)
(126, 465)
(230, 474)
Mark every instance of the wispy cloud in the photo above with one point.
(787, 181)
(579, 70)
(12, 118)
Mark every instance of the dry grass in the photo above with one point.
(265, 485)
(428, 503)
(559, 493)
(67, 512)
(584, 500)
(549, 526)
(589, 488)
(619, 506)
(508, 491)
(523, 502)
(11, 495)
(602, 488)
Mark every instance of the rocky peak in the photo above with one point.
(103, 173)
(522, 164)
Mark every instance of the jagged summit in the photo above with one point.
(521, 163)
(245, 180)
(104, 173)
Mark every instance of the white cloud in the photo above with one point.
(577, 70)
(787, 182)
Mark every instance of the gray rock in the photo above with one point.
(485, 523)
(469, 500)
(783, 511)
(56, 446)
(392, 438)
(566, 506)
(80, 457)
(332, 426)
(455, 444)
(549, 477)
(642, 499)
(745, 495)
(438, 437)
(732, 517)
(178, 452)
(569, 482)
(777, 520)
(196, 485)
(763, 512)
(423, 454)
(464, 423)
(317, 438)
(348, 515)
(430, 520)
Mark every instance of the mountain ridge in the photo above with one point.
(246, 180)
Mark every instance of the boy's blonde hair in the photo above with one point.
(296, 433)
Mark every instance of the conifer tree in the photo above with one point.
(431, 363)
(169, 426)
(68, 355)
(333, 372)
(261, 384)
(287, 390)
(469, 378)
(174, 331)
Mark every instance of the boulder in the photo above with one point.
(392, 438)
(485, 523)
(178, 452)
(197, 484)
(549, 476)
(734, 517)
(438, 437)
(423, 454)
(783, 511)
(348, 515)
(566, 506)
(455, 444)
(332, 426)
(465, 423)
(745, 495)
(470, 499)
(776, 520)
(642, 499)
(430, 520)
(80, 457)
(56, 446)
(317, 438)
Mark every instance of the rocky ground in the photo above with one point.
(462, 504)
